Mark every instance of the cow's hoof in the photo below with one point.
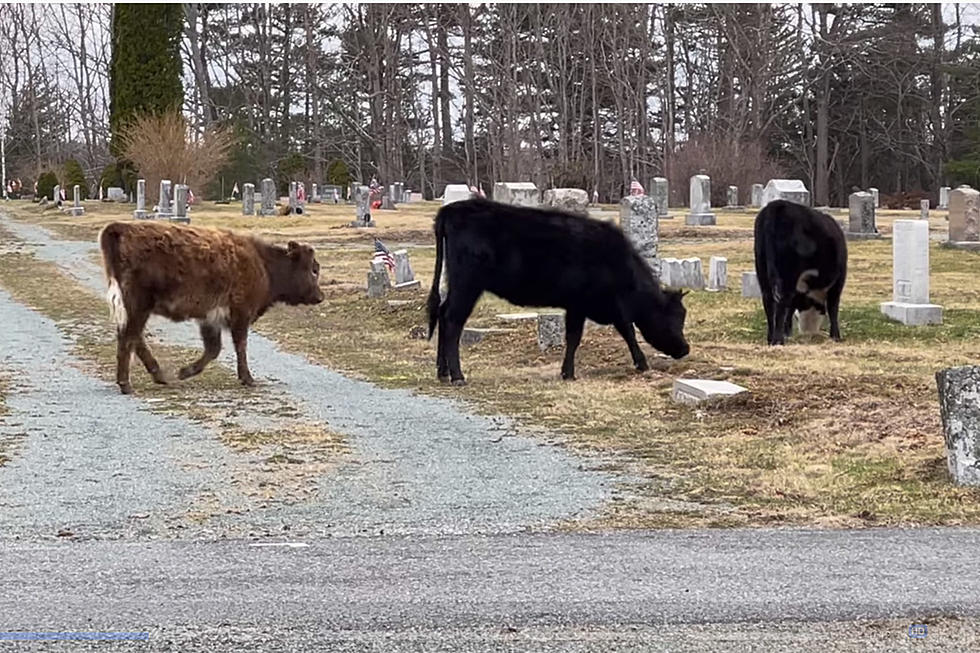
(186, 373)
(459, 382)
(443, 378)
(247, 381)
(567, 377)
(126, 388)
(160, 378)
(642, 367)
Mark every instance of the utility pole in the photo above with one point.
(3, 164)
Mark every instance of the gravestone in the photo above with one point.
(116, 194)
(268, 190)
(377, 283)
(398, 192)
(404, 275)
(874, 194)
(944, 197)
(682, 273)
(696, 391)
(571, 200)
(140, 212)
(362, 202)
(638, 220)
(861, 217)
(77, 209)
(456, 193)
(964, 218)
(733, 204)
(387, 202)
(57, 194)
(923, 209)
(521, 193)
(910, 276)
(791, 190)
(416, 197)
(959, 408)
(163, 204)
(315, 194)
(248, 199)
(551, 330)
(659, 191)
(293, 197)
(180, 204)
(700, 202)
(750, 285)
(717, 273)
(756, 196)
(331, 193)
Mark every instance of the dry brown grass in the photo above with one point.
(832, 433)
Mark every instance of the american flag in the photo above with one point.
(636, 188)
(381, 253)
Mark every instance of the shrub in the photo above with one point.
(727, 163)
(46, 183)
(338, 174)
(74, 175)
(161, 147)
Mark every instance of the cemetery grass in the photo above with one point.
(289, 453)
(832, 434)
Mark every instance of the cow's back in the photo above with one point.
(537, 257)
(183, 272)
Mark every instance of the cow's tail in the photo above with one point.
(435, 299)
(109, 244)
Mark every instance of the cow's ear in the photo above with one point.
(292, 246)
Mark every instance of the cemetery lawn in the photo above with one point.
(832, 434)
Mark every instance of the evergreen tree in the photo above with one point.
(145, 71)
(74, 175)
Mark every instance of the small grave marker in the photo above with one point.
(696, 391)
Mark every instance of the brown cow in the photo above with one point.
(219, 278)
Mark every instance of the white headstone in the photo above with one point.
(791, 190)
(180, 204)
(700, 202)
(362, 203)
(696, 391)
(268, 193)
(750, 285)
(944, 197)
(116, 194)
(638, 220)
(456, 193)
(57, 194)
(923, 209)
(733, 198)
(682, 273)
(522, 193)
(874, 194)
(293, 196)
(757, 195)
(140, 211)
(660, 191)
(163, 205)
(910, 276)
(404, 275)
(248, 199)
(77, 209)
(717, 273)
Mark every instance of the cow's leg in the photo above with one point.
(626, 330)
(833, 308)
(574, 324)
(442, 360)
(768, 305)
(458, 306)
(782, 311)
(149, 362)
(126, 340)
(788, 323)
(239, 335)
(211, 335)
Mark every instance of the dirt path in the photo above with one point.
(417, 464)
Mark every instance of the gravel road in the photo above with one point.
(419, 464)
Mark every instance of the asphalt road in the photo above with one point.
(478, 591)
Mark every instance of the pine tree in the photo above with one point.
(145, 70)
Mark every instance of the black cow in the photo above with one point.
(801, 262)
(539, 257)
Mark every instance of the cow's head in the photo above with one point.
(662, 323)
(303, 282)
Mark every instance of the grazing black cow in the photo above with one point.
(539, 257)
(801, 263)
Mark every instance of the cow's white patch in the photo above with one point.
(217, 316)
(810, 320)
(818, 295)
(803, 283)
(117, 309)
